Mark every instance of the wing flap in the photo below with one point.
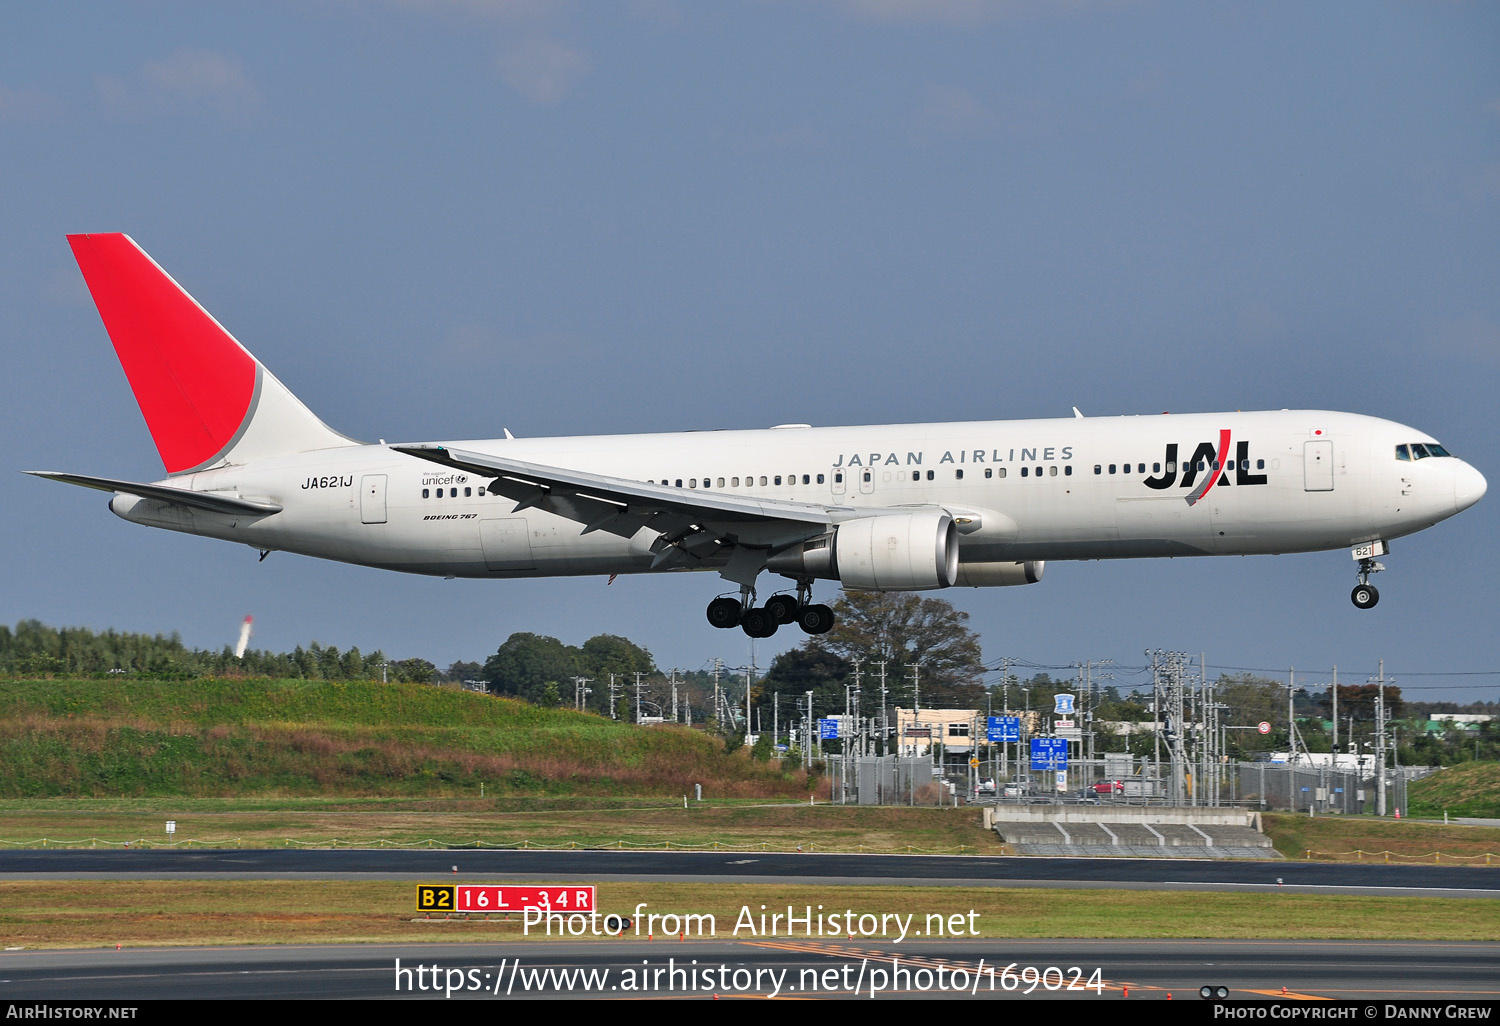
(534, 484)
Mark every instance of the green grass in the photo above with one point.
(632, 823)
(1468, 789)
(204, 738)
(41, 914)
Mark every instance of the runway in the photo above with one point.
(912, 870)
(1060, 969)
(730, 965)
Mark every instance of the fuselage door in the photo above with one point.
(372, 499)
(866, 480)
(1317, 466)
(507, 544)
(836, 477)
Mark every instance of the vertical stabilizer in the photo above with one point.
(206, 400)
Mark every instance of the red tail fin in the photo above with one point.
(198, 388)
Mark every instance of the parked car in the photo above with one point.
(1109, 787)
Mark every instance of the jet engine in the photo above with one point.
(897, 552)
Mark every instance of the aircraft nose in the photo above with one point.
(1468, 487)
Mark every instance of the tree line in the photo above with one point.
(929, 653)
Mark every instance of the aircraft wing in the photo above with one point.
(693, 525)
(211, 501)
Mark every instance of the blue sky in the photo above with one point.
(442, 218)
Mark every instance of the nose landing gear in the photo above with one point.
(1364, 594)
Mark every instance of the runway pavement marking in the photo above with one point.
(918, 961)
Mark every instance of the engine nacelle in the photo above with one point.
(897, 552)
(1000, 575)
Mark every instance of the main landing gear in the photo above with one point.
(1364, 594)
(762, 621)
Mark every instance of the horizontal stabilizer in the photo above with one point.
(211, 501)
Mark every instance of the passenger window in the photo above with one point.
(1141, 468)
(930, 475)
(424, 493)
(1098, 469)
(820, 479)
(959, 474)
(1156, 468)
(988, 473)
(806, 479)
(1068, 470)
(1002, 472)
(1023, 471)
(734, 482)
(763, 480)
(1172, 467)
(1111, 468)
(721, 482)
(679, 482)
(778, 479)
(1051, 471)
(1260, 464)
(467, 493)
(692, 482)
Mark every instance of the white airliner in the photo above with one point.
(888, 507)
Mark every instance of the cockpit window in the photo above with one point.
(1437, 450)
(1402, 453)
(1419, 450)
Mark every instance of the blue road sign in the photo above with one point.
(1049, 753)
(1004, 728)
(1064, 705)
(828, 729)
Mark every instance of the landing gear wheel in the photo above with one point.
(724, 612)
(1365, 596)
(815, 619)
(783, 608)
(759, 623)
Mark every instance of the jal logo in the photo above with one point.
(1213, 464)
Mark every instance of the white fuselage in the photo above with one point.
(1081, 488)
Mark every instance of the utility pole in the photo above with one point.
(1380, 742)
(851, 709)
(885, 730)
(808, 733)
(638, 696)
(1335, 690)
(718, 699)
(614, 699)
